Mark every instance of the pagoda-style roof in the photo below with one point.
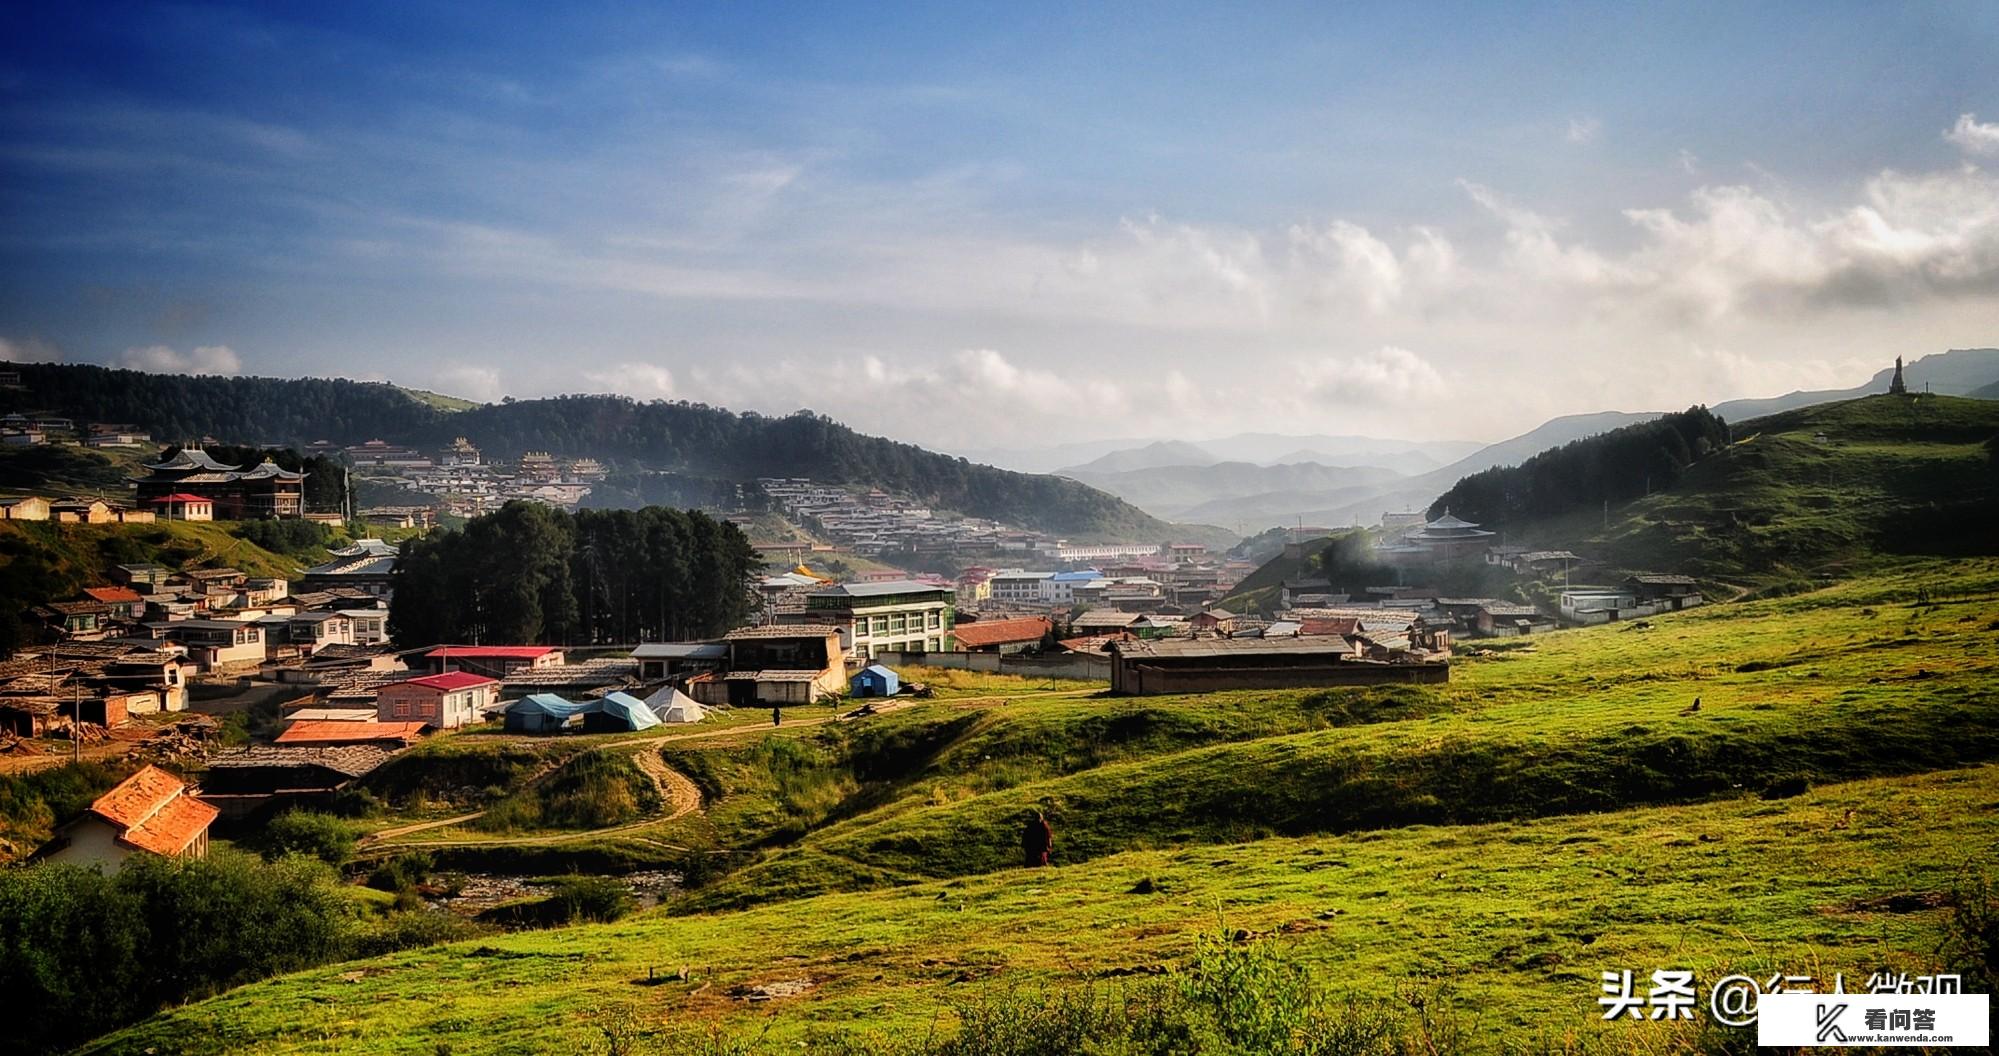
(271, 470)
(191, 459)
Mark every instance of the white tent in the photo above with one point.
(671, 705)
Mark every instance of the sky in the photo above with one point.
(975, 226)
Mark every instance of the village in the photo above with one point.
(158, 662)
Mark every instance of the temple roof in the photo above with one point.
(191, 458)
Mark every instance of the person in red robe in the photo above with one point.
(1036, 838)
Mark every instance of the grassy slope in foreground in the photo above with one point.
(1516, 918)
(1856, 681)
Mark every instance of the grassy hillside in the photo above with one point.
(1823, 486)
(438, 399)
(1507, 924)
(1557, 809)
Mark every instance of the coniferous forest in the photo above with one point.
(689, 438)
(527, 574)
(1615, 467)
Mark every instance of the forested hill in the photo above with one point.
(1831, 485)
(1614, 467)
(682, 437)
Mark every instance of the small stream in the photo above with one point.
(483, 891)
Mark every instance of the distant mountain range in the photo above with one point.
(1332, 490)
(1249, 498)
(1264, 449)
(1228, 492)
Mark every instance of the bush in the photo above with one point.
(81, 952)
(1971, 942)
(592, 791)
(1236, 997)
(402, 872)
(321, 836)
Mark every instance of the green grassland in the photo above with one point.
(1831, 485)
(1555, 810)
(1517, 917)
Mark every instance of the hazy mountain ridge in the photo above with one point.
(683, 437)
(1213, 488)
(1958, 372)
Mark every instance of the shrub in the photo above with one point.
(402, 872)
(576, 899)
(1971, 939)
(321, 836)
(592, 791)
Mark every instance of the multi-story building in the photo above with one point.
(1017, 587)
(897, 616)
(265, 490)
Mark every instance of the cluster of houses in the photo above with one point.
(35, 428)
(463, 482)
(76, 510)
(873, 522)
(223, 621)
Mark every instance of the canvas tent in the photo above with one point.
(875, 680)
(540, 713)
(617, 712)
(671, 705)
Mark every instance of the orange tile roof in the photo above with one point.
(113, 595)
(340, 731)
(154, 812)
(1000, 632)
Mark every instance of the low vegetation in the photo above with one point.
(594, 790)
(81, 953)
(33, 803)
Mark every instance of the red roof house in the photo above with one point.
(498, 661)
(1001, 636)
(330, 732)
(151, 811)
(446, 701)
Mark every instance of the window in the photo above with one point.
(402, 709)
(936, 619)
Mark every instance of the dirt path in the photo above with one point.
(681, 796)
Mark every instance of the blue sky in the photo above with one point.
(975, 226)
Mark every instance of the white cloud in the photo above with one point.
(641, 381)
(1390, 375)
(468, 381)
(163, 359)
(29, 350)
(1583, 129)
(1972, 136)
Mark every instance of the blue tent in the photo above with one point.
(617, 712)
(540, 713)
(875, 680)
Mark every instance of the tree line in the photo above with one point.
(1616, 467)
(658, 435)
(531, 575)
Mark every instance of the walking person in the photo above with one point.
(1036, 839)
